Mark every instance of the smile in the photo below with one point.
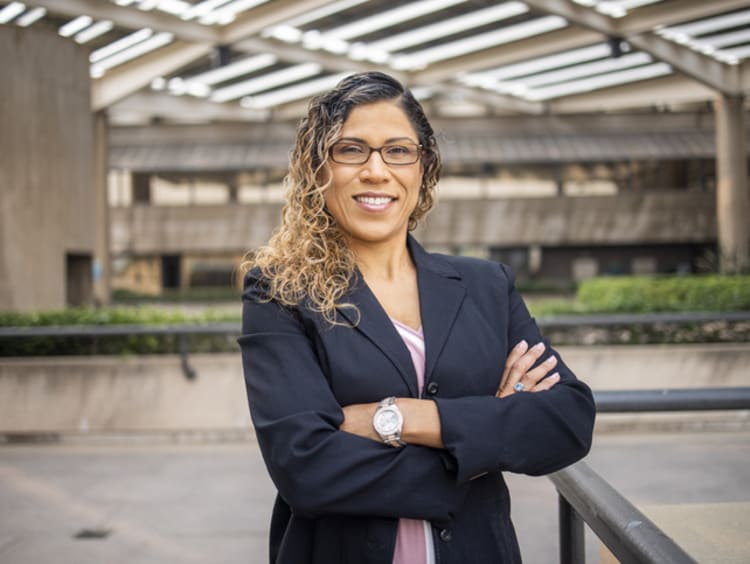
(376, 201)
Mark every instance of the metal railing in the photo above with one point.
(181, 332)
(609, 320)
(585, 497)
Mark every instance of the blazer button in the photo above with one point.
(445, 535)
(432, 388)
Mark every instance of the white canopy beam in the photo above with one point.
(666, 91)
(140, 107)
(296, 54)
(698, 66)
(492, 100)
(196, 40)
(266, 15)
(537, 46)
(131, 77)
(131, 18)
(674, 12)
(575, 13)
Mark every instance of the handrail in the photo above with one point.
(614, 319)
(675, 399)
(233, 328)
(631, 536)
(181, 331)
(584, 496)
(124, 330)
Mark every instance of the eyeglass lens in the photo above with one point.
(348, 152)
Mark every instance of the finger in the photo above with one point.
(534, 376)
(519, 369)
(516, 353)
(546, 383)
(523, 364)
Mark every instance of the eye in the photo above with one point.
(399, 150)
(349, 149)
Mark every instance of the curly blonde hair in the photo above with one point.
(307, 258)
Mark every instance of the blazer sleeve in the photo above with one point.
(529, 433)
(317, 468)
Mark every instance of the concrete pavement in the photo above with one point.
(155, 501)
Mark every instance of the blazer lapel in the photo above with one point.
(375, 324)
(441, 293)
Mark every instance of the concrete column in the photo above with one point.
(732, 197)
(102, 261)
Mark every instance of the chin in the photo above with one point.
(376, 235)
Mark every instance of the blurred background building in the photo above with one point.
(144, 142)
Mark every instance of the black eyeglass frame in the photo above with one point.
(371, 150)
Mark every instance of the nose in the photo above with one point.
(375, 169)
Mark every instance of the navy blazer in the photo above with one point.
(340, 495)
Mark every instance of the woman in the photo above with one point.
(390, 387)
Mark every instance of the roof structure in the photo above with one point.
(507, 149)
(260, 60)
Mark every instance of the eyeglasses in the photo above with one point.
(355, 153)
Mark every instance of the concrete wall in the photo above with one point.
(150, 393)
(47, 174)
(144, 393)
(628, 218)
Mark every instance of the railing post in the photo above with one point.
(631, 536)
(572, 542)
(187, 370)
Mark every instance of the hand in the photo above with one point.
(358, 420)
(517, 369)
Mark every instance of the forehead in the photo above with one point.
(377, 122)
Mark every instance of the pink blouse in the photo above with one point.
(414, 538)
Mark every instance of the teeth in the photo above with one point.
(374, 200)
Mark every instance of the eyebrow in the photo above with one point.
(387, 141)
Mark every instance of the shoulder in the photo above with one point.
(256, 286)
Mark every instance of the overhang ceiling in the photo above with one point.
(201, 61)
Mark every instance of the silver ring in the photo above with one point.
(519, 387)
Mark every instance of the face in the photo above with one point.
(372, 202)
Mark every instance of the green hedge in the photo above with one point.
(636, 294)
(113, 316)
(220, 294)
(117, 345)
(600, 295)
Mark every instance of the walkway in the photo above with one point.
(150, 502)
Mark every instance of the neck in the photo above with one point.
(383, 261)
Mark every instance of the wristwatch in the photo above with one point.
(388, 422)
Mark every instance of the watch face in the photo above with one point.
(387, 421)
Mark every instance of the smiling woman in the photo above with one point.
(389, 387)
(371, 199)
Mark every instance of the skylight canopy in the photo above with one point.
(267, 56)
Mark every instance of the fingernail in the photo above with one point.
(539, 347)
(551, 360)
(522, 344)
(555, 376)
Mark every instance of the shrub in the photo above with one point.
(112, 316)
(210, 294)
(635, 294)
(109, 344)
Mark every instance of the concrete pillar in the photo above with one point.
(47, 170)
(732, 197)
(102, 262)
